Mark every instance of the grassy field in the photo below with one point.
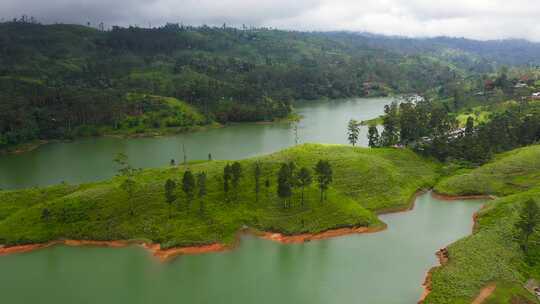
(510, 172)
(492, 254)
(366, 181)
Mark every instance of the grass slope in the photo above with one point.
(510, 172)
(492, 254)
(365, 180)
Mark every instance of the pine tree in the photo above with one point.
(353, 131)
(284, 189)
(227, 174)
(304, 180)
(170, 196)
(373, 136)
(188, 185)
(129, 185)
(324, 173)
(236, 171)
(201, 184)
(257, 175)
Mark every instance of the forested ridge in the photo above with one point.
(62, 81)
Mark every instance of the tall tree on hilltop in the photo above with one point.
(170, 195)
(227, 175)
(284, 189)
(304, 180)
(390, 134)
(324, 173)
(236, 171)
(373, 136)
(188, 185)
(201, 184)
(129, 186)
(353, 131)
(257, 175)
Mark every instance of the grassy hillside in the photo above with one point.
(365, 181)
(493, 254)
(510, 172)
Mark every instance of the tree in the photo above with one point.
(201, 184)
(304, 180)
(324, 173)
(170, 195)
(122, 161)
(353, 131)
(267, 186)
(236, 171)
(389, 136)
(45, 214)
(469, 127)
(284, 189)
(129, 186)
(227, 174)
(373, 136)
(188, 184)
(528, 220)
(257, 175)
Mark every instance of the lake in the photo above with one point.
(91, 159)
(384, 267)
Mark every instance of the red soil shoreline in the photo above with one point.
(167, 254)
(443, 258)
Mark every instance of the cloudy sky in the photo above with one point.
(479, 19)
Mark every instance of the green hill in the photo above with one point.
(492, 255)
(510, 172)
(365, 181)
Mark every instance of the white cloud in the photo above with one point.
(480, 19)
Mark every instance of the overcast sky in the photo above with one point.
(479, 19)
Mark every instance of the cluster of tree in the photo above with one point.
(430, 128)
(289, 178)
(192, 184)
(55, 79)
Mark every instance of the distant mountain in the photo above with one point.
(512, 52)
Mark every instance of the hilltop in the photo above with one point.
(366, 181)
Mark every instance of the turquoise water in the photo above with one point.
(385, 267)
(91, 159)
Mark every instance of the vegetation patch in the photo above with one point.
(363, 181)
(504, 248)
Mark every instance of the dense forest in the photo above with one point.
(471, 123)
(62, 81)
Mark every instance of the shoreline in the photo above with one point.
(167, 254)
(442, 254)
(33, 145)
(447, 197)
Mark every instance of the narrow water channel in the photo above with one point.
(87, 160)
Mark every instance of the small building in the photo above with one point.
(536, 95)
